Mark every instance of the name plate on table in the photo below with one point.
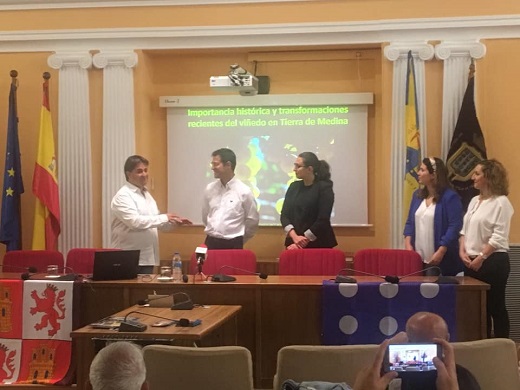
(368, 313)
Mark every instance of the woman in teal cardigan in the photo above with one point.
(435, 219)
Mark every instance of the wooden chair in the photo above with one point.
(312, 261)
(231, 261)
(387, 261)
(17, 261)
(493, 362)
(218, 368)
(322, 363)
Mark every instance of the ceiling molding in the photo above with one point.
(10, 5)
(265, 35)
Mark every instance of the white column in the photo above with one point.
(118, 124)
(457, 57)
(74, 152)
(398, 52)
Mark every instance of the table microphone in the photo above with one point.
(136, 326)
(31, 269)
(394, 279)
(344, 278)
(200, 253)
(220, 277)
(27, 270)
(349, 279)
(418, 272)
(71, 276)
(65, 277)
(186, 304)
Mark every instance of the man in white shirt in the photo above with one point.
(229, 211)
(136, 218)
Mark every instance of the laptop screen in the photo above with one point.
(115, 265)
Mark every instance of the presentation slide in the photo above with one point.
(267, 140)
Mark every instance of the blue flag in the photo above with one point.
(10, 224)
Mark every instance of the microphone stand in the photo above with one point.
(200, 263)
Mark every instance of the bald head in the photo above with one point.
(423, 327)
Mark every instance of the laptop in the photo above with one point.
(115, 265)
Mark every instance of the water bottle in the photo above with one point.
(177, 268)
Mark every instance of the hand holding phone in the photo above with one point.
(370, 377)
(447, 372)
(411, 358)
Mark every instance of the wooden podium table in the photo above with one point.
(218, 327)
(278, 311)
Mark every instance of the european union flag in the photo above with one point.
(10, 224)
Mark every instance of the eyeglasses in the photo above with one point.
(297, 166)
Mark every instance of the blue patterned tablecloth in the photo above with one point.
(368, 313)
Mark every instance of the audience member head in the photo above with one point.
(320, 168)
(495, 176)
(423, 327)
(226, 156)
(438, 177)
(118, 366)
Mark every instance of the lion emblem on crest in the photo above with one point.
(51, 305)
(7, 359)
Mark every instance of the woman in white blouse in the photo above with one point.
(484, 240)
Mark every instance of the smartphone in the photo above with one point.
(411, 358)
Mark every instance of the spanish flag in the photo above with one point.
(413, 144)
(45, 183)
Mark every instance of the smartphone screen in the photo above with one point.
(404, 358)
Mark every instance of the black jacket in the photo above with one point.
(310, 207)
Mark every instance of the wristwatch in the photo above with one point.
(481, 254)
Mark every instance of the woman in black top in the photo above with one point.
(308, 205)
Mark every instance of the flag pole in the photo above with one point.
(14, 74)
(14, 81)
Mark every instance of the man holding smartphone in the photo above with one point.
(425, 327)
(370, 378)
(422, 327)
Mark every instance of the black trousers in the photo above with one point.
(222, 243)
(495, 271)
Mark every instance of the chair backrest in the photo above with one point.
(81, 260)
(387, 261)
(311, 261)
(322, 363)
(217, 368)
(14, 261)
(493, 362)
(218, 258)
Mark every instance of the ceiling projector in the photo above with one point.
(238, 80)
